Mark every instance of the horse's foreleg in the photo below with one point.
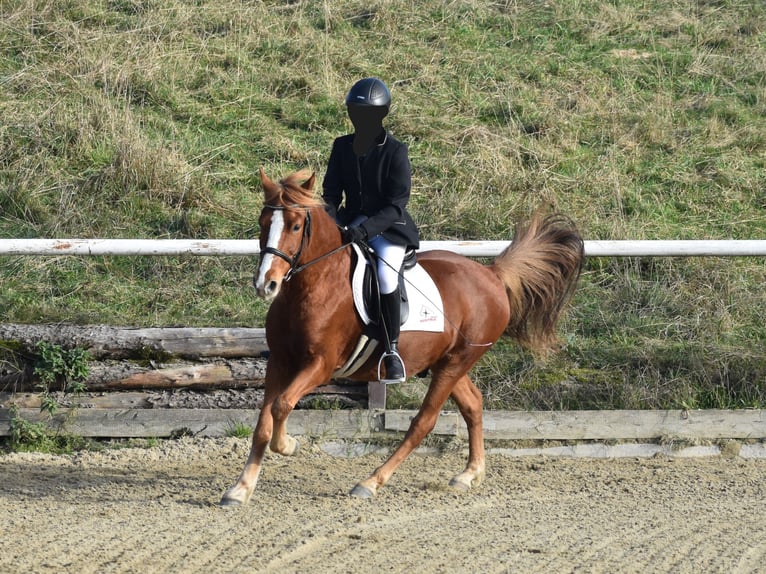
(281, 442)
(306, 380)
(421, 425)
(240, 493)
(469, 401)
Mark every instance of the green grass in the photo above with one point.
(639, 119)
(239, 430)
(26, 436)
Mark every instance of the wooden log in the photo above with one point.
(223, 357)
(126, 374)
(121, 376)
(348, 393)
(192, 376)
(122, 342)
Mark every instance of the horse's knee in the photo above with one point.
(261, 437)
(280, 409)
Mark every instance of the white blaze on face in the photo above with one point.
(275, 232)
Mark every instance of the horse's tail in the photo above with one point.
(540, 269)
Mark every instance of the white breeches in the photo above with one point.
(390, 259)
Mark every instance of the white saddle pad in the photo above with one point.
(425, 301)
(425, 304)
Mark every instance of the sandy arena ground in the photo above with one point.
(156, 510)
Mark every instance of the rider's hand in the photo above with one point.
(353, 234)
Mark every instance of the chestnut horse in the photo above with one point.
(312, 327)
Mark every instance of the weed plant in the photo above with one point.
(27, 436)
(239, 430)
(639, 119)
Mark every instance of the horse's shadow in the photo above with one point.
(42, 480)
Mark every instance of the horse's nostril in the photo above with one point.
(269, 290)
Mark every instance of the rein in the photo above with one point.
(293, 261)
(300, 268)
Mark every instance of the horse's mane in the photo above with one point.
(291, 193)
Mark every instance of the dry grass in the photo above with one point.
(141, 118)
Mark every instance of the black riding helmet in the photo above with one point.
(370, 92)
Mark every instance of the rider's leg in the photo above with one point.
(390, 304)
(390, 259)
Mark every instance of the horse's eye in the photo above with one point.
(297, 227)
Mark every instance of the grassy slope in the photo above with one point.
(640, 119)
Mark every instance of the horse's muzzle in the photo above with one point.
(268, 290)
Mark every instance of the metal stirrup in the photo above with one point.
(404, 369)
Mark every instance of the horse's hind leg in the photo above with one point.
(421, 425)
(469, 401)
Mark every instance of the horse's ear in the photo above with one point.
(270, 189)
(265, 181)
(309, 183)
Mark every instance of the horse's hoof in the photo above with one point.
(457, 484)
(227, 502)
(360, 491)
(466, 480)
(234, 497)
(291, 447)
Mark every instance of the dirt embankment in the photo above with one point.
(155, 510)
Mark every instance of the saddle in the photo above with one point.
(422, 307)
(370, 288)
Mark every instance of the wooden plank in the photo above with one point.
(376, 395)
(600, 425)
(360, 424)
(129, 423)
(114, 400)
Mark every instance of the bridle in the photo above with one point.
(295, 266)
(292, 261)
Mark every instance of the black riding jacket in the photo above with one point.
(376, 185)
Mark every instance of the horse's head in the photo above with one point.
(285, 225)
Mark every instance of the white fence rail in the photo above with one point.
(248, 247)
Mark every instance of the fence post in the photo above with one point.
(376, 395)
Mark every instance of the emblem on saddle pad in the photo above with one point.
(422, 307)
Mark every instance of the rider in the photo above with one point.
(370, 169)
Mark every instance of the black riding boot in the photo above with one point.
(390, 310)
